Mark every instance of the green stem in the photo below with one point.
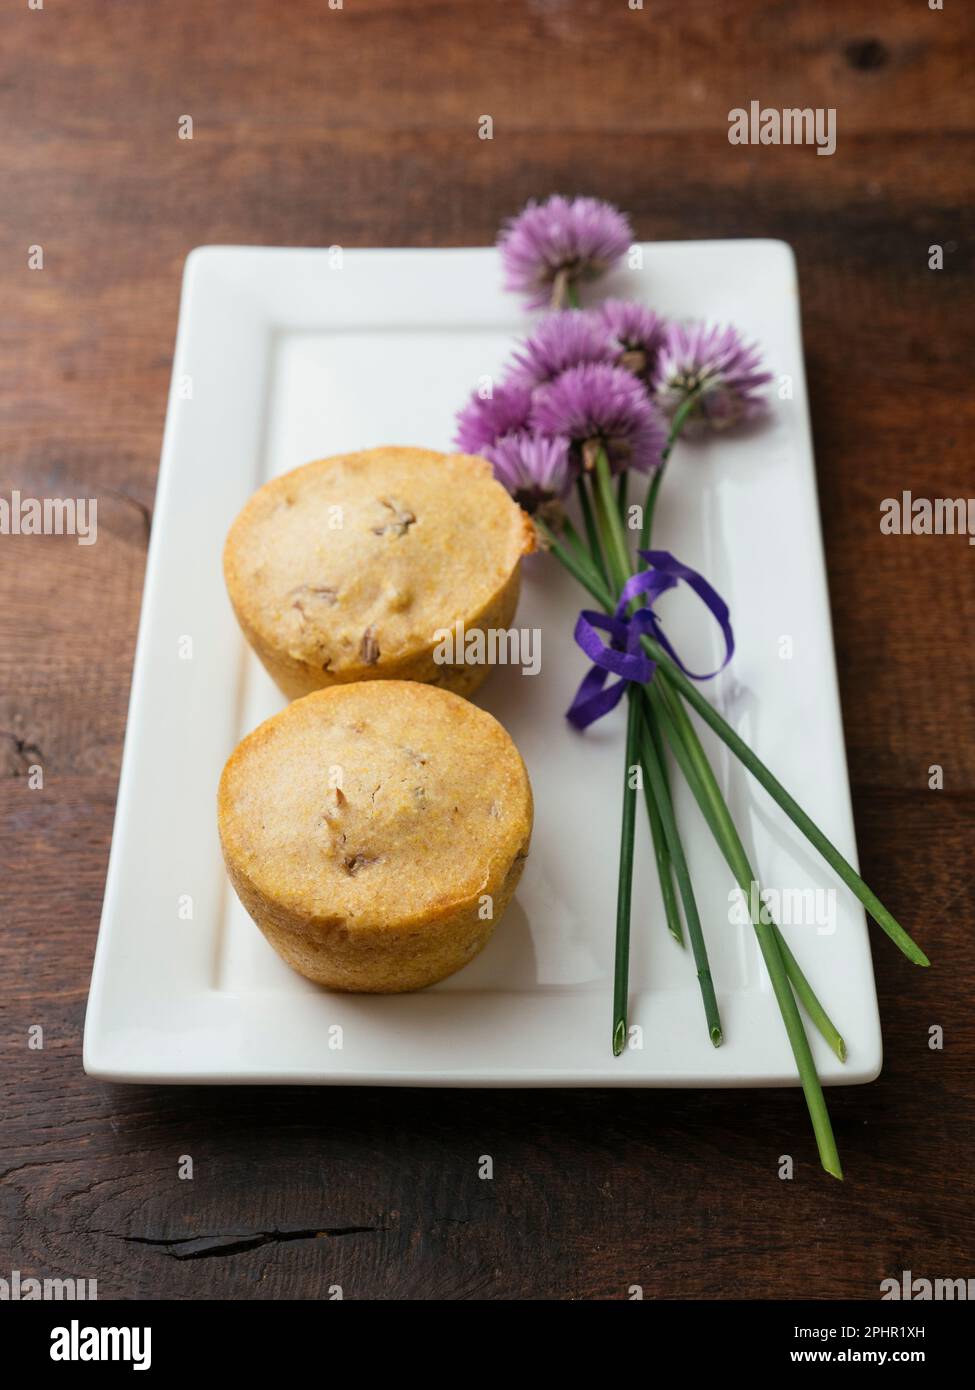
(658, 743)
(649, 506)
(592, 582)
(771, 953)
(624, 897)
(573, 539)
(653, 767)
(606, 514)
(681, 416)
(807, 997)
(579, 565)
(884, 919)
(611, 535)
(622, 490)
(661, 851)
(583, 571)
(704, 784)
(610, 526)
(592, 534)
(845, 871)
(780, 963)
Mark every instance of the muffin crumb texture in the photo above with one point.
(375, 832)
(346, 568)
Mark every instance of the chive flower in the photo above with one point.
(716, 368)
(551, 247)
(597, 405)
(535, 468)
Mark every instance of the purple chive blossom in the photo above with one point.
(535, 468)
(719, 367)
(561, 340)
(637, 334)
(485, 418)
(553, 245)
(598, 404)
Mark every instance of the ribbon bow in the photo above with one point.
(623, 654)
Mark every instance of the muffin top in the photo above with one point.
(375, 804)
(351, 563)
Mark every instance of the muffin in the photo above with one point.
(375, 832)
(351, 568)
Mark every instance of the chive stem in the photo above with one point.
(725, 832)
(653, 768)
(622, 491)
(880, 914)
(762, 774)
(681, 416)
(592, 534)
(661, 849)
(624, 897)
(689, 759)
(608, 522)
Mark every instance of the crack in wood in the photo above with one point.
(219, 1246)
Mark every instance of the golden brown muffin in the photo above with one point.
(345, 569)
(375, 832)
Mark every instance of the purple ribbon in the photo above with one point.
(623, 655)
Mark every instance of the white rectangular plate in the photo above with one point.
(288, 355)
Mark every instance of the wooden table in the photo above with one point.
(359, 126)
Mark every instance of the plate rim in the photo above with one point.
(99, 1058)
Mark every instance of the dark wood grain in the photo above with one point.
(359, 126)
